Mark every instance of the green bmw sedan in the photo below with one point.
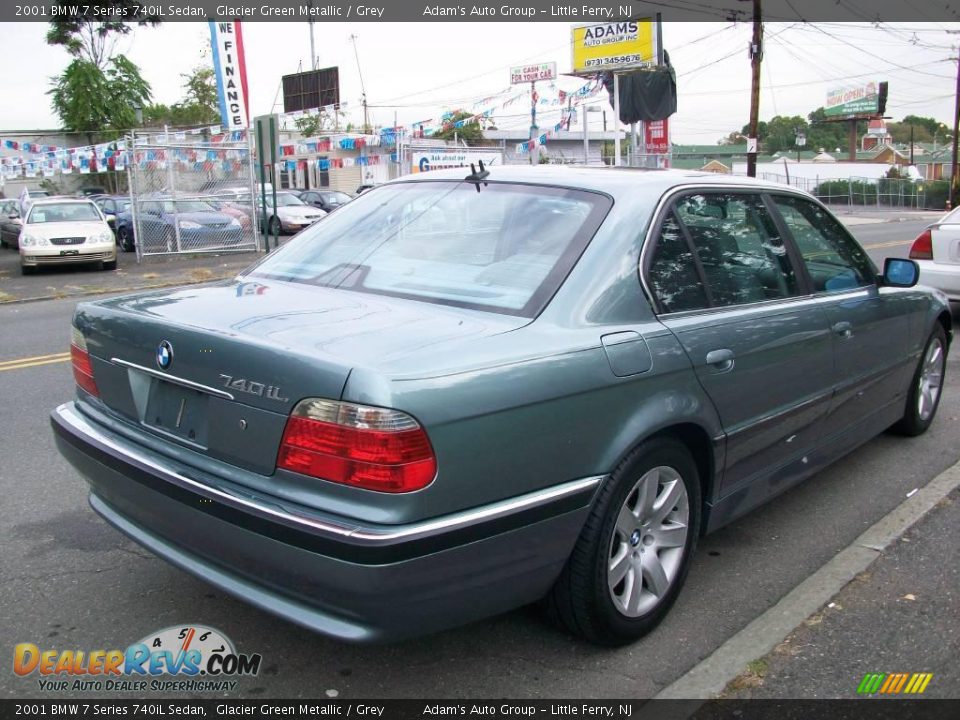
(467, 391)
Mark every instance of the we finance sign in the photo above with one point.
(226, 38)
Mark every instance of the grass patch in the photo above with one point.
(201, 274)
(752, 677)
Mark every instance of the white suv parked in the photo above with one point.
(66, 230)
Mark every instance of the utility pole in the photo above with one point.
(756, 55)
(363, 90)
(956, 128)
(313, 49)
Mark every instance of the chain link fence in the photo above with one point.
(190, 197)
(871, 192)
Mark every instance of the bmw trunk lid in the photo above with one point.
(219, 368)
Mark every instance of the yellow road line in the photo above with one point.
(34, 361)
(892, 243)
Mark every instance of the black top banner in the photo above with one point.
(514, 11)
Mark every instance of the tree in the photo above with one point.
(734, 138)
(93, 99)
(199, 106)
(471, 132)
(94, 40)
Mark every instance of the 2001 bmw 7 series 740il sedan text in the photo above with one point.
(455, 396)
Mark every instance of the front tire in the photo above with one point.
(108, 265)
(923, 399)
(633, 553)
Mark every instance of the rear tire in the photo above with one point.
(276, 229)
(926, 387)
(633, 553)
(3, 243)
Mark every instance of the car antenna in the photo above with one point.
(478, 177)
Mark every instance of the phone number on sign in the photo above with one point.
(614, 60)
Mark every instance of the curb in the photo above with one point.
(708, 679)
(108, 291)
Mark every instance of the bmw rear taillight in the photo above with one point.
(82, 367)
(366, 447)
(922, 248)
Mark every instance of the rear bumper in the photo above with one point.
(941, 276)
(355, 582)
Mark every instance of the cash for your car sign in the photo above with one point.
(226, 39)
(533, 73)
(614, 46)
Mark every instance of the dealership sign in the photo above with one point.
(859, 100)
(427, 159)
(657, 137)
(614, 46)
(532, 73)
(226, 39)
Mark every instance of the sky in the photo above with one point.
(418, 70)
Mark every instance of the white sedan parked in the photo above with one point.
(937, 252)
(66, 230)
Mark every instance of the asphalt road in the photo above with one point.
(68, 580)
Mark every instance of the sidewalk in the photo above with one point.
(77, 281)
(900, 616)
(867, 214)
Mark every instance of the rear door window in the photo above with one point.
(717, 250)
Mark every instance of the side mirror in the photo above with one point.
(110, 217)
(13, 216)
(898, 272)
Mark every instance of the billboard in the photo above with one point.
(311, 89)
(226, 39)
(614, 46)
(867, 99)
(532, 73)
(437, 158)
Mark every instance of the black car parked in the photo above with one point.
(326, 200)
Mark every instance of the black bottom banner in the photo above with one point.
(864, 709)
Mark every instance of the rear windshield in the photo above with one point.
(505, 249)
(63, 212)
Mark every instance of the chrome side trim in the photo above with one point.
(69, 416)
(173, 379)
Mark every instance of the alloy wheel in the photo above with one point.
(931, 379)
(648, 541)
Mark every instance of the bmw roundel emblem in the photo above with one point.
(164, 355)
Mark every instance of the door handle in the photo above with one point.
(843, 328)
(720, 360)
